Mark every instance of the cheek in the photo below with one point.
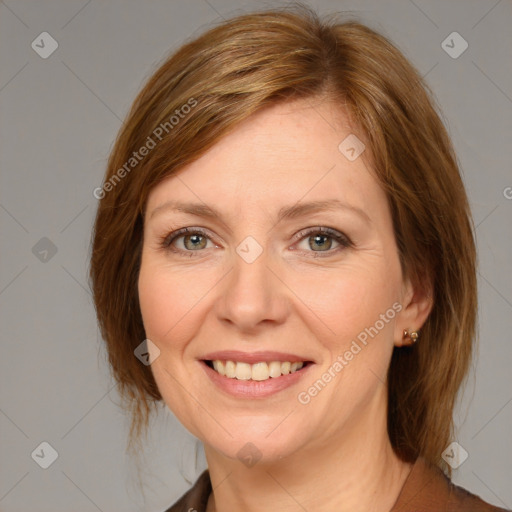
(168, 317)
(346, 302)
(166, 303)
(170, 298)
(154, 303)
(353, 318)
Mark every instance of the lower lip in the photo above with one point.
(254, 388)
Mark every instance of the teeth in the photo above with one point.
(274, 369)
(219, 367)
(230, 368)
(258, 371)
(243, 371)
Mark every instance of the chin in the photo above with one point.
(255, 451)
(254, 440)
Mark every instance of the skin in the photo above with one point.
(332, 453)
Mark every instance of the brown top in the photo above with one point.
(426, 489)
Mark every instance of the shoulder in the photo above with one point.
(462, 499)
(427, 488)
(196, 498)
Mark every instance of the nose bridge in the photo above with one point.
(252, 293)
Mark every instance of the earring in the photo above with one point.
(413, 336)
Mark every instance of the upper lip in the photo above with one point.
(253, 357)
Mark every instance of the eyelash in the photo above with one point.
(345, 242)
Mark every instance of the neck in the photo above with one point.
(355, 470)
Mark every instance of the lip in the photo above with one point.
(253, 389)
(253, 357)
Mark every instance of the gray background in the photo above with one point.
(59, 117)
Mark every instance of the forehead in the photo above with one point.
(283, 154)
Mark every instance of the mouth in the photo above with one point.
(258, 371)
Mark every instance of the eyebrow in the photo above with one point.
(294, 211)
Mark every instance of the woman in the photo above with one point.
(283, 254)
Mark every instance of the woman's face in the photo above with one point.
(298, 264)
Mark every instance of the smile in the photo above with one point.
(252, 375)
(259, 371)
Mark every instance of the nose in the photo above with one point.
(254, 294)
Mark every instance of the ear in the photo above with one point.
(417, 302)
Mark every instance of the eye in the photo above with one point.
(320, 240)
(186, 240)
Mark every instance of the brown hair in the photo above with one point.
(256, 60)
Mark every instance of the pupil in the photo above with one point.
(195, 241)
(318, 240)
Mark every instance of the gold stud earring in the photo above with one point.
(412, 336)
